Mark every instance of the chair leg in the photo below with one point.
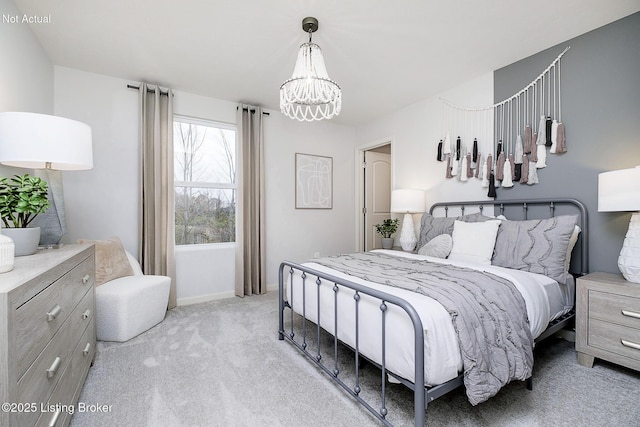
(530, 383)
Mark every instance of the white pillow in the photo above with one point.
(474, 241)
(438, 247)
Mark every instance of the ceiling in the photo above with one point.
(384, 54)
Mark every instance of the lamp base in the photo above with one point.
(408, 235)
(629, 259)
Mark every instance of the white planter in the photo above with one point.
(6, 253)
(387, 242)
(26, 240)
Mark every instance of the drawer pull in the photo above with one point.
(630, 344)
(54, 419)
(87, 347)
(53, 313)
(53, 369)
(631, 314)
(85, 279)
(86, 314)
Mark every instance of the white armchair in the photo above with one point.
(130, 305)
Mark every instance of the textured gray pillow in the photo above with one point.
(538, 245)
(438, 247)
(431, 226)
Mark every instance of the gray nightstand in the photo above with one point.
(608, 320)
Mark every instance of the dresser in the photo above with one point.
(47, 335)
(608, 320)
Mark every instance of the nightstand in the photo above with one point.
(608, 320)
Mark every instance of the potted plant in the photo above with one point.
(22, 198)
(386, 229)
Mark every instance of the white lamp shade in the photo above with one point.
(407, 201)
(39, 141)
(619, 190)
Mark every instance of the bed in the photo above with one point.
(384, 306)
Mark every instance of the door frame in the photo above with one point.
(359, 181)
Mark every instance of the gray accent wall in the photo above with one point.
(601, 114)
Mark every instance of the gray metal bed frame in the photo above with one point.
(422, 395)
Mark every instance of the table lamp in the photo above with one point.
(51, 143)
(619, 191)
(407, 201)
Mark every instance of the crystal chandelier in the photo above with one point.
(310, 94)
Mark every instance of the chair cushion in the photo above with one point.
(111, 260)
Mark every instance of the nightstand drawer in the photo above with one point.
(614, 308)
(614, 339)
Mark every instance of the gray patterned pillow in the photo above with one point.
(538, 245)
(431, 226)
(438, 247)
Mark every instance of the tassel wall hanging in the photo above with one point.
(507, 142)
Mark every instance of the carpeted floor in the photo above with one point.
(220, 364)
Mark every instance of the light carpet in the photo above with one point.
(220, 364)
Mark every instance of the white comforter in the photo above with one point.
(543, 297)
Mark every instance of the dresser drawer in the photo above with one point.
(38, 382)
(82, 355)
(57, 411)
(40, 318)
(610, 337)
(81, 316)
(614, 308)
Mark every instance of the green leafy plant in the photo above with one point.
(22, 198)
(387, 228)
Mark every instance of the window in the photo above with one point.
(205, 181)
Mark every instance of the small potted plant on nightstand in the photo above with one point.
(22, 198)
(386, 229)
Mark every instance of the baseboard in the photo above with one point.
(218, 296)
(205, 298)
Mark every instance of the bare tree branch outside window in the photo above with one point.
(205, 194)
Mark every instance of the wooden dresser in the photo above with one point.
(47, 335)
(608, 320)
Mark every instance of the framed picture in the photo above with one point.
(314, 182)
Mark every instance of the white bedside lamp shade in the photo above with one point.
(619, 191)
(407, 201)
(41, 141)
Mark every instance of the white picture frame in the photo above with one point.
(314, 181)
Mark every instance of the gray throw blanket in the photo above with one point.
(488, 314)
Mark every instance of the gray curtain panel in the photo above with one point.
(156, 222)
(250, 222)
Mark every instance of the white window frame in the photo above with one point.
(205, 184)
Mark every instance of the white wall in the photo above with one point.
(26, 73)
(416, 131)
(103, 202)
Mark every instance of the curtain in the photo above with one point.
(250, 226)
(156, 217)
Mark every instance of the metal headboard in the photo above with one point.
(574, 205)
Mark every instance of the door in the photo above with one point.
(377, 194)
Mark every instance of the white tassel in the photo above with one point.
(519, 150)
(542, 131)
(454, 166)
(542, 157)
(463, 170)
(507, 179)
(533, 174)
(446, 145)
(554, 137)
(484, 175)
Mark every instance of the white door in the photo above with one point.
(377, 195)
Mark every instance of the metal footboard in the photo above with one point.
(323, 279)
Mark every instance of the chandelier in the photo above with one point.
(310, 94)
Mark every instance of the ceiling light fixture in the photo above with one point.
(310, 94)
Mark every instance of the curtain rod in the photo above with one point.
(166, 93)
(264, 113)
(148, 89)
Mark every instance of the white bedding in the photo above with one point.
(545, 300)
